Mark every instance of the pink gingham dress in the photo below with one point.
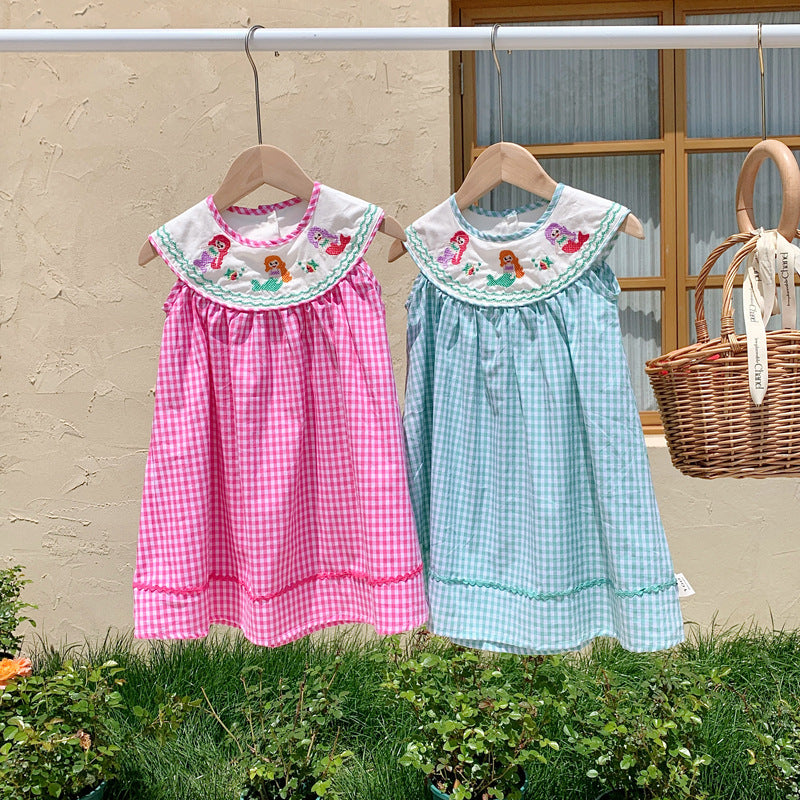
(275, 496)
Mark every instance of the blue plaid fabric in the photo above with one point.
(529, 475)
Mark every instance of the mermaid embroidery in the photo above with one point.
(277, 275)
(511, 267)
(332, 243)
(211, 257)
(454, 249)
(568, 241)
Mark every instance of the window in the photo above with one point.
(663, 132)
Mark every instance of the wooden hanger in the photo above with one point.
(510, 163)
(506, 162)
(265, 165)
(260, 165)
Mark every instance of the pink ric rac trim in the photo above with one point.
(320, 576)
(312, 204)
(259, 210)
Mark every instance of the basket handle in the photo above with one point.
(700, 324)
(790, 184)
(787, 227)
(727, 330)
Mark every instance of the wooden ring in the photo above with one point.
(790, 183)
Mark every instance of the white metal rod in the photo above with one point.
(567, 37)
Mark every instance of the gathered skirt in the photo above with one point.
(529, 475)
(275, 497)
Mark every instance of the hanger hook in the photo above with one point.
(763, 93)
(250, 32)
(493, 42)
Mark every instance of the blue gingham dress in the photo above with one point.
(528, 471)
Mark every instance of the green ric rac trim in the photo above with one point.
(591, 584)
(350, 255)
(428, 264)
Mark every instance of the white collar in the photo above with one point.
(517, 256)
(271, 256)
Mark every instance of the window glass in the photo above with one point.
(581, 98)
(570, 96)
(640, 318)
(723, 87)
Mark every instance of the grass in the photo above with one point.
(201, 761)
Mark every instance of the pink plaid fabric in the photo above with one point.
(275, 496)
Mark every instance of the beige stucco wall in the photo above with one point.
(98, 150)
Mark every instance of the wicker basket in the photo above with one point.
(712, 427)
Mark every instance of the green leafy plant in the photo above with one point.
(643, 735)
(292, 752)
(11, 584)
(58, 731)
(480, 719)
(776, 750)
(163, 724)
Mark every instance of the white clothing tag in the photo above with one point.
(758, 295)
(787, 261)
(510, 222)
(765, 255)
(773, 255)
(684, 587)
(273, 225)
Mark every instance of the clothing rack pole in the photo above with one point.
(567, 37)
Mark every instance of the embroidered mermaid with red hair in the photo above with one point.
(454, 249)
(211, 257)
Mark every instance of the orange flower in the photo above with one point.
(11, 668)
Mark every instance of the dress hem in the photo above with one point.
(288, 637)
(584, 641)
(490, 619)
(303, 608)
